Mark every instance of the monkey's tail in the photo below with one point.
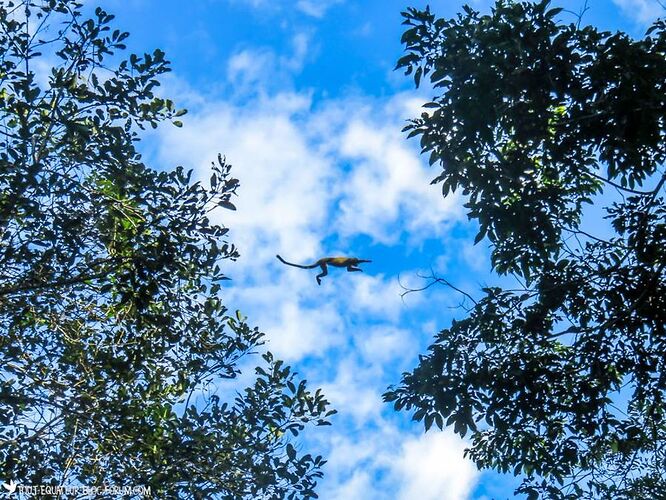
(296, 265)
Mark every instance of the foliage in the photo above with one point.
(114, 337)
(563, 379)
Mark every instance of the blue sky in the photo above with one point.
(302, 99)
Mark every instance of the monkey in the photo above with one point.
(349, 262)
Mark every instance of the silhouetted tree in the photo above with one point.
(562, 380)
(113, 333)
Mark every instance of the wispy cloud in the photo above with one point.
(313, 8)
(385, 464)
(389, 185)
(642, 11)
(316, 8)
(430, 468)
(376, 296)
(255, 70)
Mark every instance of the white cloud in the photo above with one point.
(313, 8)
(351, 463)
(429, 467)
(386, 463)
(296, 330)
(353, 393)
(316, 8)
(301, 42)
(255, 70)
(357, 487)
(476, 256)
(376, 296)
(364, 30)
(386, 343)
(255, 4)
(642, 11)
(246, 66)
(390, 184)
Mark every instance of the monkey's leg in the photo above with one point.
(351, 269)
(324, 272)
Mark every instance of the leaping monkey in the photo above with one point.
(349, 262)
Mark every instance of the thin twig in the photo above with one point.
(434, 279)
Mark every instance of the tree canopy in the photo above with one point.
(562, 378)
(113, 333)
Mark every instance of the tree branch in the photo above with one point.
(434, 279)
(626, 189)
(8, 290)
